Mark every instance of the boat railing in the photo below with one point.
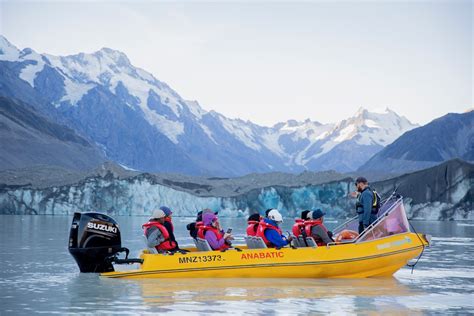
(392, 221)
(353, 223)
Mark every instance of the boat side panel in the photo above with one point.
(376, 258)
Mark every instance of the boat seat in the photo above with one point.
(301, 242)
(311, 243)
(150, 249)
(258, 243)
(249, 242)
(202, 245)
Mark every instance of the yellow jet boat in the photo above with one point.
(382, 249)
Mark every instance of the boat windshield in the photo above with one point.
(353, 223)
(393, 221)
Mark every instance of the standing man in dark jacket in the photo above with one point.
(365, 204)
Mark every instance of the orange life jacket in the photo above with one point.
(202, 234)
(261, 231)
(252, 228)
(298, 227)
(308, 225)
(165, 245)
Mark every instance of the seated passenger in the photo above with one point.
(194, 226)
(298, 227)
(253, 222)
(304, 215)
(156, 233)
(211, 231)
(316, 229)
(270, 232)
(169, 224)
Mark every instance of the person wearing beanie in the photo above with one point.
(253, 222)
(304, 214)
(168, 223)
(298, 226)
(156, 233)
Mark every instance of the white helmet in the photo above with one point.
(275, 216)
(158, 214)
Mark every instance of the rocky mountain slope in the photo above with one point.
(29, 139)
(445, 191)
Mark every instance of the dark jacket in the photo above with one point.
(364, 204)
(193, 231)
(318, 233)
(169, 228)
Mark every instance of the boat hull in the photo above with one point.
(377, 258)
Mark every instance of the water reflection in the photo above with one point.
(159, 292)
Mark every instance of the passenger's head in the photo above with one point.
(361, 183)
(254, 217)
(275, 216)
(166, 210)
(267, 211)
(304, 214)
(158, 216)
(199, 216)
(210, 219)
(317, 214)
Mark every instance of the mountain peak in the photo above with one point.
(293, 124)
(5, 43)
(116, 56)
(8, 51)
(364, 111)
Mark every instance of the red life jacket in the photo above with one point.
(252, 228)
(309, 225)
(167, 219)
(298, 227)
(261, 231)
(202, 234)
(165, 245)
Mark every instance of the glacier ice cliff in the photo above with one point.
(140, 194)
(440, 193)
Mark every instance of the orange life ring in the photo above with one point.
(347, 235)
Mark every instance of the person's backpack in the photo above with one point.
(376, 204)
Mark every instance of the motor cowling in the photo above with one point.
(94, 240)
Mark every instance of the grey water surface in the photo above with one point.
(37, 275)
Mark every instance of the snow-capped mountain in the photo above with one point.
(142, 123)
(448, 137)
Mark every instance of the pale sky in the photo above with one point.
(273, 61)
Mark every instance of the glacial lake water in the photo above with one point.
(37, 275)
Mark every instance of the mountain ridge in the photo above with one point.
(78, 88)
(448, 137)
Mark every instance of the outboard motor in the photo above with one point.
(94, 242)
